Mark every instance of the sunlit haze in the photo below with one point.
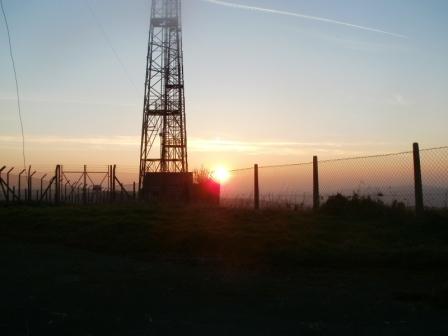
(221, 175)
(266, 81)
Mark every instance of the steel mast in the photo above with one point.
(164, 138)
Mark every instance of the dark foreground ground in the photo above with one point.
(137, 270)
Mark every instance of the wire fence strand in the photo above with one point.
(386, 177)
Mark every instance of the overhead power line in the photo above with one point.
(110, 44)
(11, 54)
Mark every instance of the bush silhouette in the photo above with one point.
(360, 206)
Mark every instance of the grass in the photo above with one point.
(271, 239)
(137, 269)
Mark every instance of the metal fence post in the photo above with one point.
(42, 184)
(65, 190)
(114, 168)
(419, 206)
(256, 189)
(20, 184)
(112, 182)
(1, 182)
(316, 195)
(7, 184)
(57, 186)
(84, 188)
(109, 184)
(30, 184)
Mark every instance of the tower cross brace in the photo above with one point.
(164, 139)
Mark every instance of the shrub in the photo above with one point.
(361, 206)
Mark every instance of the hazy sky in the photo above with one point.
(261, 86)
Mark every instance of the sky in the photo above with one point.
(266, 81)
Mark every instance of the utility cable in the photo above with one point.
(11, 54)
(109, 42)
(339, 160)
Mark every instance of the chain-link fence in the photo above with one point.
(67, 184)
(435, 176)
(384, 177)
(280, 186)
(388, 178)
(238, 191)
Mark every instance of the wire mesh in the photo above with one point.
(77, 185)
(286, 186)
(434, 163)
(16, 187)
(238, 190)
(387, 178)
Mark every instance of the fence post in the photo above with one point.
(419, 206)
(111, 182)
(134, 195)
(65, 191)
(42, 184)
(28, 183)
(1, 169)
(84, 188)
(316, 194)
(114, 177)
(20, 184)
(256, 189)
(7, 184)
(57, 186)
(108, 183)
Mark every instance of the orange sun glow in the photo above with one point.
(221, 175)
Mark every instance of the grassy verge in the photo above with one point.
(235, 237)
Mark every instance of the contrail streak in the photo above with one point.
(302, 16)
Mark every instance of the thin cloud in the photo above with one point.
(53, 101)
(303, 16)
(231, 146)
(63, 140)
(197, 145)
(230, 150)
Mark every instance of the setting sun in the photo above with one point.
(221, 175)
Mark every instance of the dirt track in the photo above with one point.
(52, 290)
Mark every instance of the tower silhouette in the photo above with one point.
(164, 138)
